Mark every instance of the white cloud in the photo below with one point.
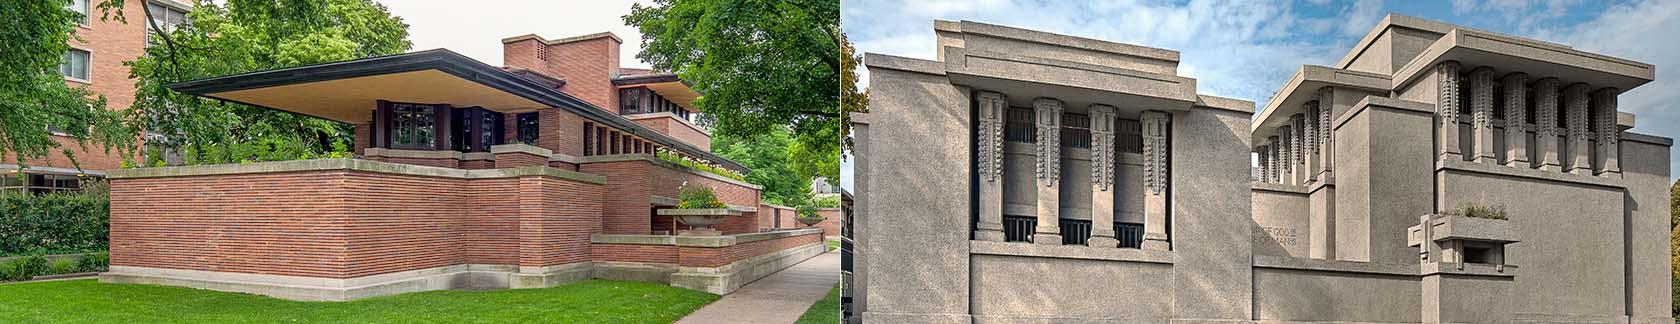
(476, 30)
(1463, 6)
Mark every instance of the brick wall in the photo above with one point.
(343, 224)
(635, 253)
(831, 222)
(713, 257)
(627, 209)
(440, 162)
(109, 43)
(519, 159)
(587, 65)
(678, 130)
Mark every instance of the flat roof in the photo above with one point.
(344, 90)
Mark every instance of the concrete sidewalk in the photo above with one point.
(777, 299)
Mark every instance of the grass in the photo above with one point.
(593, 301)
(826, 310)
(833, 244)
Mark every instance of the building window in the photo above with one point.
(627, 141)
(1018, 126)
(489, 130)
(601, 140)
(1076, 131)
(588, 139)
(81, 7)
(613, 143)
(165, 17)
(527, 127)
(412, 126)
(75, 64)
(34, 183)
(630, 101)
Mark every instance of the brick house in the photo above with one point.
(464, 175)
(95, 62)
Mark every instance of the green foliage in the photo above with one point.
(695, 196)
(35, 100)
(825, 311)
(769, 157)
(589, 301)
(239, 36)
(95, 262)
(762, 65)
(807, 211)
(1474, 210)
(851, 100)
(698, 165)
(827, 202)
(66, 265)
(25, 268)
(53, 223)
(1674, 244)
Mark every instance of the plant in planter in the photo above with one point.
(807, 215)
(699, 208)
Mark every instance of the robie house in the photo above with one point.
(465, 175)
(1436, 174)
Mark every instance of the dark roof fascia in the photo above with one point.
(448, 62)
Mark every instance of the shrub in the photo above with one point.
(25, 268)
(54, 223)
(95, 262)
(827, 202)
(698, 197)
(66, 265)
(1474, 210)
(807, 211)
(691, 163)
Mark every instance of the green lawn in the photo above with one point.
(593, 301)
(833, 245)
(826, 310)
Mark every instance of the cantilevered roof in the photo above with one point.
(346, 91)
(665, 84)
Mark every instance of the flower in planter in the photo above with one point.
(692, 197)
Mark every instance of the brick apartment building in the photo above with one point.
(465, 175)
(95, 62)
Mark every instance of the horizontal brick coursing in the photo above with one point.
(442, 162)
(340, 224)
(519, 159)
(714, 257)
(628, 209)
(666, 254)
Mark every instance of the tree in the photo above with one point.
(35, 102)
(246, 36)
(760, 65)
(772, 167)
(851, 100)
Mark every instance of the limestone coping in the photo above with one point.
(1475, 47)
(411, 154)
(656, 161)
(487, 156)
(520, 148)
(883, 61)
(658, 200)
(698, 241)
(352, 165)
(1380, 102)
(1449, 165)
(1303, 87)
(1448, 227)
(1286, 262)
(1069, 252)
(1072, 82)
(1232, 104)
(698, 212)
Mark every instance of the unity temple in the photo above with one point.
(1435, 174)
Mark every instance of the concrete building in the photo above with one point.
(555, 168)
(1407, 184)
(94, 62)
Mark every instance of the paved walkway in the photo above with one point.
(777, 299)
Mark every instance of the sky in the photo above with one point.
(1248, 49)
(477, 30)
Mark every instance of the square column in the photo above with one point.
(1155, 179)
(1310, 131)
(989, 159)
(1608, 133)
(1286, 154)
(1275, 161)
(1446, 110)
(1481, 110)
(1516, 116)
(1102, 177)
(1545, 124)
(1326, 143)
(1049, 113)
(1575, 114)
(1263, 159)
(1298, 150)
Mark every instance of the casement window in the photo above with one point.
(614, 143)
(589, 146)
(601, 140)
(75, 64)
(34, 183)
(413, 126)
(630, 101)
(81, 7)
(627, 140)
(165, 17)
(527, 126)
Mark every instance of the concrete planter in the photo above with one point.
(809, 221)
(701, 219)
(1446, 227)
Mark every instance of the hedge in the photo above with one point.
(53, 223)
(25, 268)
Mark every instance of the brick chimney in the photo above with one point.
(587, 63)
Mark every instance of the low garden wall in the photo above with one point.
(640, 179)
(339, 229)
(716, 264)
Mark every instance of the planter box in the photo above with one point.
(1445, 227)
(701, 219)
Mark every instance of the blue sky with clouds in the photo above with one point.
(1247, 49)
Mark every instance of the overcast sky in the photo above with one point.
(476, 28)
(1247, 49)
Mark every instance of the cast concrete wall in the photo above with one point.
(1009, 288)
(1210, 204)
(1383, 168)
(1282, 294)
(1281, 224)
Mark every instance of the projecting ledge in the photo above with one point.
(1069, 252)
(1285, 262)
(1536, 174)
